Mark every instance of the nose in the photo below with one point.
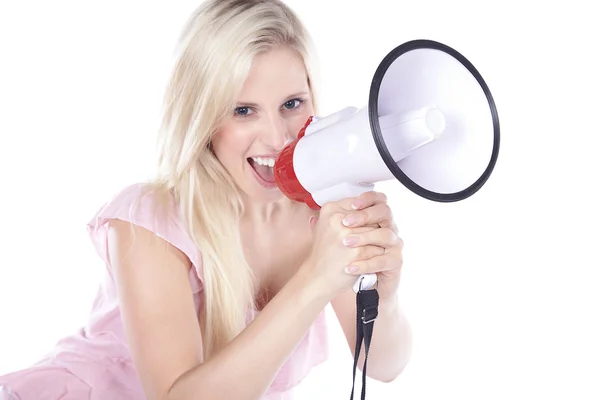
(277, 133)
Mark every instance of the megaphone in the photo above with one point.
(430, 122)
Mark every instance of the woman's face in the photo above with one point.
(273, 106)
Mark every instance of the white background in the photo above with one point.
(501, 289)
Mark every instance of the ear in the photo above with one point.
(312, 221)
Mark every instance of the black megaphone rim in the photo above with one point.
(373, 108)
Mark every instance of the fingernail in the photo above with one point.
(351, 269)
(349, 220)
(350, 240)
(356, 205)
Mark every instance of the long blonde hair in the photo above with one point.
(215, 53)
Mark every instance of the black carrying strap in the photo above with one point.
(367, 302)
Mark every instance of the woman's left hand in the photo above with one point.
(372, 211)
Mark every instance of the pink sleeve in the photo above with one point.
(128, 206)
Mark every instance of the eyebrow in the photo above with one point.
(247, 104)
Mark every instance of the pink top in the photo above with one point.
(95, 363)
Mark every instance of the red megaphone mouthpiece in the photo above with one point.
(285, 176)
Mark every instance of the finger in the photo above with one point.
(373, 265)
(368, 199)
(355, 203)
(367, 252)
(378, 215)
(382, 237)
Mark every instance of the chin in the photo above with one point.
(267, 197)
(259, 195)
(259, 189)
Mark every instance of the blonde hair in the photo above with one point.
(215, 54)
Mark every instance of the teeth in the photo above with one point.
(269, 162)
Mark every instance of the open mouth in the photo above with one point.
(263, 168)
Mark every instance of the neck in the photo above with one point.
(271, 213)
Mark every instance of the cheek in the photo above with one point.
(218, 145)
(230, 145)
(296, 124)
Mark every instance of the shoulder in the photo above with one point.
(140, 204)
(148, 213)
(138, 201)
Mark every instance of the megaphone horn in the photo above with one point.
(430, 122)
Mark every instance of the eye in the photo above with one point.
(242, 111)
(291, 104)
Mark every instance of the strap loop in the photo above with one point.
(371, 316)
(367, 303)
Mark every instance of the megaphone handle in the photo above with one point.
(364, 282)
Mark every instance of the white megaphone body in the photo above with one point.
(431, 123)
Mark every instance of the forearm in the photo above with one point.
(248, 365)
(391, 343)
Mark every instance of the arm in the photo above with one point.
(391, 343)
(163, 332)
(392, 340)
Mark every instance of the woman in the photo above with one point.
(216, 283)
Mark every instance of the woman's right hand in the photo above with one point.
(330, 255)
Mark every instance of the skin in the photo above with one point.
(300, 259)
(273, 106)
